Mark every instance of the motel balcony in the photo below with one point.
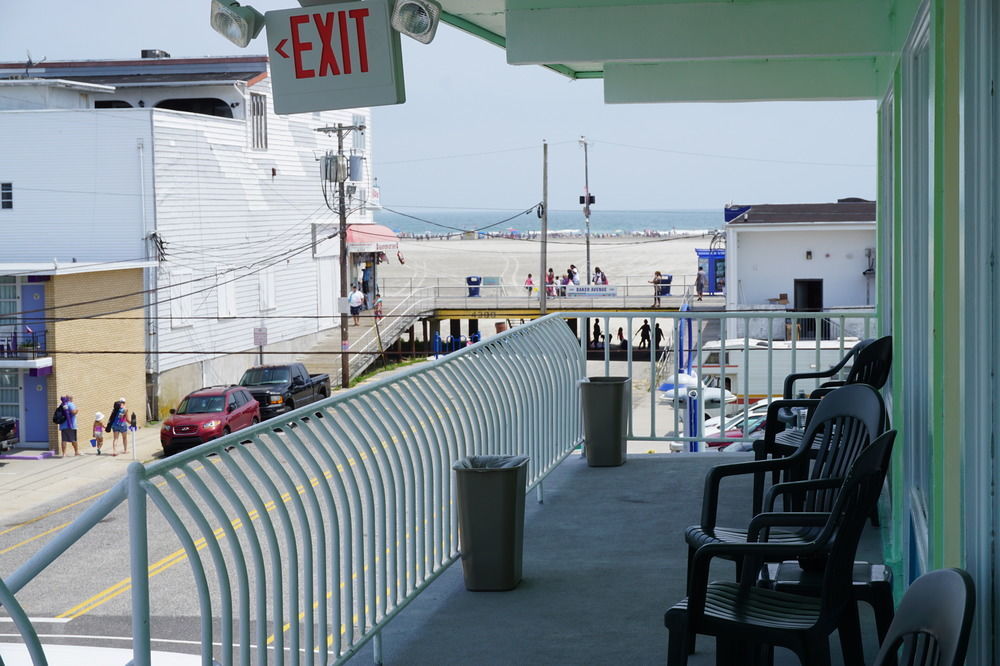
(352, 501)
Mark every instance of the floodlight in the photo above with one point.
(417, 19)
(237, 24)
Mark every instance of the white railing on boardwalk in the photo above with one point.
(397, 319)
(318, 527)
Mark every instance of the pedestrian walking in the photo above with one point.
(356, 301)
(700, 282)
(574, 274)
(595, 340)
(644, 334)
(599, 276)
(67, 427)
(118, 426)
(658, 337)
(98, 436)
(378, 306)
(657, 279)
(529, 284)
(622, 342)
(550, 283)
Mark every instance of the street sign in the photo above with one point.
(259, 336)
(336, 56)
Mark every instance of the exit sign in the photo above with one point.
(337, 56)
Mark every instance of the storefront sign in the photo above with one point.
(337, 56)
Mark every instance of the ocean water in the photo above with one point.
(436, 222)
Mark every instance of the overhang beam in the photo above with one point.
(745, 81)
(694, 31)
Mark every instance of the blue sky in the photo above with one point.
(471, 130)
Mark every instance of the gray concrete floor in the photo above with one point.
(604, 557)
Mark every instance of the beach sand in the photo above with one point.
(511, 260)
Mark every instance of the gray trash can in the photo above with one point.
(491, 519)
(604, 401)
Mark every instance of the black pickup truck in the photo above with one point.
(282, 388)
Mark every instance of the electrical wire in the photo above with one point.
(735, 157)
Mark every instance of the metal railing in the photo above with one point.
(306, 534)
(22, 346)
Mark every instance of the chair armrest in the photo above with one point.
(789, 487)
(790, 379)
(710, 501)
(764, 521)
(762, 447)
(701, 563)
(833, 384)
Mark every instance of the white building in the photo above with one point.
(800, 257)
(178, 168)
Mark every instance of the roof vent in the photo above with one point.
(154, 53)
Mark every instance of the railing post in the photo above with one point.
(139, 546)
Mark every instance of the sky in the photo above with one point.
(470, 133)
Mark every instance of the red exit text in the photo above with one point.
(351, 42)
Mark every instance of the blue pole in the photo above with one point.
(693, 419)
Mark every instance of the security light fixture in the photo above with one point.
(417, 19)
(237, 24)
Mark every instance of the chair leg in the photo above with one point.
(817, 653)
(728, 651)
(881, 602)
(677, 642)
(849, 629)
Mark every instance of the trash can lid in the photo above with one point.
(486, 463)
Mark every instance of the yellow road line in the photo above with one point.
(51, 513)
(37, 536)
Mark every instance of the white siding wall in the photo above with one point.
(763, 263)
(228, 212)
(23, 96)
(76, 183)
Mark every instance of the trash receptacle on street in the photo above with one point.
(491, 519)
(604, 402)
(665, 283)
(474, 281)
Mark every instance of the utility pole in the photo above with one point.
(586, 200)
(340, 173)
(542, 272)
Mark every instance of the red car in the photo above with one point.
(206, 414)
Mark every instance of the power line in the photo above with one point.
(736, 157)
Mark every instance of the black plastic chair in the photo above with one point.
(872, 364)
(933, 621)
(749, 620)
(844, 423)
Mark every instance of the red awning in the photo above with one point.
(371, 238)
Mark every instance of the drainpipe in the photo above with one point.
(148, 285)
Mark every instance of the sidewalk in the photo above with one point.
(26, 484)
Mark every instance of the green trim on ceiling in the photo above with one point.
(499, 40)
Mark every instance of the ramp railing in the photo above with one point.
(306, 534)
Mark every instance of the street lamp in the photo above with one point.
(586, 200)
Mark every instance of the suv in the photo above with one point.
(206, 414)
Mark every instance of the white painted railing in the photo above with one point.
(307, 533)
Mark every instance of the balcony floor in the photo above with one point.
(604, 557)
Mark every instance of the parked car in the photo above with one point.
(282, 388)
(8, 432)
(206, 414)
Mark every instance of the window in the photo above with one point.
(8, 300)
(112, 104)
(258, 121)
(180, 299)
(226, 292)
(206, 106)
(265, 281)
(359, 137)
(6, 195)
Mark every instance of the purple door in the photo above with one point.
(36, 412)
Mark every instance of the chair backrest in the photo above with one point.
(855, 500)
(872, 363)
(933, 621)
(844, 423)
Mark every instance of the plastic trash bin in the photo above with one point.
(474, 281)
(665, 280)
(604, 402)
(491, 519)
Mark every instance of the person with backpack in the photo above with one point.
(118, 425)
(65, 417)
